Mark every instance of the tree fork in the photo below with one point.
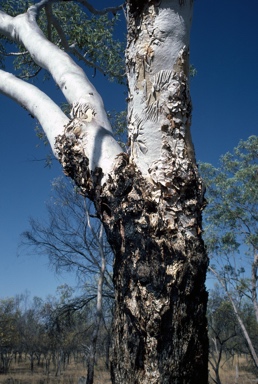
(150, 204)
(159, 277)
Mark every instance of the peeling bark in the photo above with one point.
(159, 274)
(159, 282)
(150, 205)
(149, 200)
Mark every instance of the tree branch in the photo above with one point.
(14, 53)
(100, 147)
(36, 102)
(68, 48)
(70, 78)
(238, 317)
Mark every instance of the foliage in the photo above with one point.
(45, 330)
(231, 235)
(90, 38)
(231, 218)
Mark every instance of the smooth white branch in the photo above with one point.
(52, 20)
(70, 78)
(37, 103)
(96, 142)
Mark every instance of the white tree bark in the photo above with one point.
(37, 103)
(156, 63)
(89, 119)
(151, 201)
(159, 110)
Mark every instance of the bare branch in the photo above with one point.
(73, 50)
(30, 76)
(49, 14)
(14, 53)
(238, 317)
(69, 48)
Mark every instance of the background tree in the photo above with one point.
(49, 333)
(74, 240)
(231, 228)
(150, 199)
(224, 332)
(9, 331)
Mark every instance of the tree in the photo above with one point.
(231, 222)
(149, 199)
(223, 332)
(9, 332)
(73, 239)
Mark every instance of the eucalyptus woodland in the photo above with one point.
(73, 240)
(231, 230)
(150, 197)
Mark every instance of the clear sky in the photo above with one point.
(224, 50)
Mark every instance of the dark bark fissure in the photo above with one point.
(159, 275)
(160, 324)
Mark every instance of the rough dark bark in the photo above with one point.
(160, 323)
(159, 275)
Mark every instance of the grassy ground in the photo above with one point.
(237, 370)
(20, 374)
(234, 371)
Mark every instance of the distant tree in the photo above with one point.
(231, 227)
(9, 331)
(74, 239)
(149, 198)
(71, 237)
(223, 332)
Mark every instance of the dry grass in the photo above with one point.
(20, 374)
(237, 370)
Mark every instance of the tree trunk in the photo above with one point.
(151, 208)
(238, 317)
(254, 284)
(99, 308)
(149, 200)
(159, 322)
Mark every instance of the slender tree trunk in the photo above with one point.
(239, 319)
(254, 284)
(99, 310)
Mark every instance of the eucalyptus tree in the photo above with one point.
(231, 228)
(10, 338)
(148, 198)
(224, 332)
(73, 239)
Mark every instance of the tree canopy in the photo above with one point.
(231, 231)
(231, 217)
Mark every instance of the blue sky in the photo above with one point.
(224, 50)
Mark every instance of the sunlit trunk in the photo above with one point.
(151, 208)
(149, 200)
